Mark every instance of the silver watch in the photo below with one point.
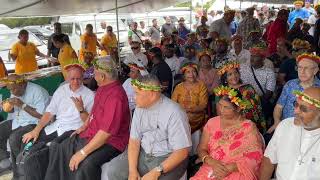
(159, 168)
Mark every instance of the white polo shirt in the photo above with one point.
(67, 116)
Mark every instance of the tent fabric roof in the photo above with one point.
(13, 8)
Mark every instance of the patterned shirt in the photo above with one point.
(287, 99)
(265, 76)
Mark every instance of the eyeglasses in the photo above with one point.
(302, 108)
(301, 68)
(134, 48)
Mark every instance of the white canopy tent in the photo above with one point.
(23, 8)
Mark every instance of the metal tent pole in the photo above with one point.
(190, 15)
(118, 34)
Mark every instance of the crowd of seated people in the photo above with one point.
(215, 104)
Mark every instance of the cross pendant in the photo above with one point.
(300, 160)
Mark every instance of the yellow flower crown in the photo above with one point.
(228, 66)
(310, 57)
(99, 66)
(187, 66)
(17, 81)
(300, 44)
(307, 98)
(298, 3)
(232, 95)
(146, 87)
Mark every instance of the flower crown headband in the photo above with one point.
(310, 57)
(307, 98)
(146, 87)
(232, 95)
(298, 3)
(17, 81)
(98, 66)
(136, 67)
(300, 44)
(187, 66)
(228, 66)
(80, 65)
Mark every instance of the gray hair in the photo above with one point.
(108, 67)
(149, 79)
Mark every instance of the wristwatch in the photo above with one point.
(159, 168)
(23, 106)
(82, 111)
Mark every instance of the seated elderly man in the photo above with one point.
(27, 103)
(71, 105)
(159, 141)
(307, 70)
(295, 146)
(103, 136)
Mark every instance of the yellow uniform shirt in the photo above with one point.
(2, 70)
(65, 57)
(26, 57)
(108, 41)
(91, 42)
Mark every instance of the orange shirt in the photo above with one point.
(26, 57)
(109, 42)
(65, 57)
(2, 70)
(88, 44)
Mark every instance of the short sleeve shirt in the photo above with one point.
(26, 57)
(162, 128)
(265, 76)
(111, 114)
(34, 96)
(222, 28)
(287, 99)
(67, 115)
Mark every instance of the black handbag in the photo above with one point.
(32, 163)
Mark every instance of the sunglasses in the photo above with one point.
(109, 30)
(134, 47)
(302, 108)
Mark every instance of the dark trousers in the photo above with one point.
(5, 131)
(89, 168)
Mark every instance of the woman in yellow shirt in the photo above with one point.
(89, 42)
(3, 69)
(66, 54)
(108, 41)
(24, 53)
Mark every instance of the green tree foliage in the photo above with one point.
(184, 4)
(20, 22)
(208, 4)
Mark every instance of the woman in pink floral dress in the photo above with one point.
(231, 147)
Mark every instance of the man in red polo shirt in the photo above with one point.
(102, 137)
(278, 29)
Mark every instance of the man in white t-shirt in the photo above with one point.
(295, 146)
(136, 57)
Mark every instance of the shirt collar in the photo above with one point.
(109, 86)
(311, 133)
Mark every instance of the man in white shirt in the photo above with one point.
(71, 104)
(136, 57)
(238, 52)
(171, 59)
(295, 146)
(135, 72)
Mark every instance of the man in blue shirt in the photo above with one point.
(298, 13)
(29, 102)
(307, 66)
